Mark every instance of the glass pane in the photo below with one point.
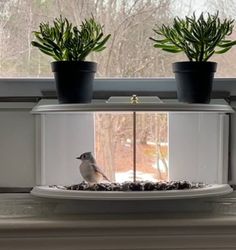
(129, 52)
(114, 151)
(152, 147)
(114, 145)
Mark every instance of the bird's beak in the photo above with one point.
(78, 157)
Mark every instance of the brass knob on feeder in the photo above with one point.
(134, 99)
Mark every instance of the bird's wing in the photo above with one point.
(97, 169)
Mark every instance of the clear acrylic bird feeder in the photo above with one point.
(133, 139)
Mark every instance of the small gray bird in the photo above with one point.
(89, 169)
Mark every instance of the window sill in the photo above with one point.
(24, 205)
(55, 224)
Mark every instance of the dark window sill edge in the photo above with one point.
(35, 87)
(104, 95)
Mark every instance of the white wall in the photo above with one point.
(17, 145)
(232, 162)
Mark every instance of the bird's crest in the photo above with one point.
(86, 156)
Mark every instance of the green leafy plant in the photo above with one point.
(65, 42)
(199, 38)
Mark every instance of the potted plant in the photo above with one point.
(69, 46)
(199, 38)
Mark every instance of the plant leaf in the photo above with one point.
(196, 37)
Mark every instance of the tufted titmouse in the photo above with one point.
(89, 169)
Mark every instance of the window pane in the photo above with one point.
(152, 146)
(129, 52)
(114, 145)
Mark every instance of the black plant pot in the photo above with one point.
(194, 81)
(74, 80)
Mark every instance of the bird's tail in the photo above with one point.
(105, 177)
